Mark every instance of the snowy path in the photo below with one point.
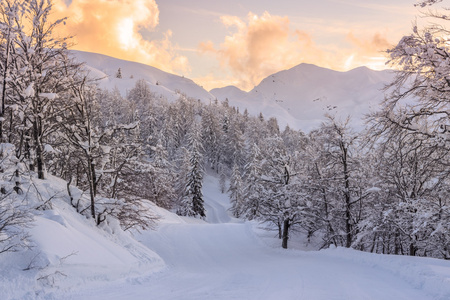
(228, 261)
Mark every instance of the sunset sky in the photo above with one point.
(238, 42)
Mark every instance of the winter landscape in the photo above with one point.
(122, 180)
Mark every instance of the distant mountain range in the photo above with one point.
(299, 96)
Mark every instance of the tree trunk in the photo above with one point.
(286, 226)
(348, 225)
(91, 177)
(412, 249)
(40, 162)
(5, 73)
(38, 148)
(280, 234)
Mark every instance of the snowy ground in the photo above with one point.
(228, 259)
(223, 258)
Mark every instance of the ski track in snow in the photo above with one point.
(225, 259)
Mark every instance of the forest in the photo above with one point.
(383, 190)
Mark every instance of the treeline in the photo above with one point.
(385, 190)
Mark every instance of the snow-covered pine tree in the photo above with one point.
(192, 202)
(253, 191)
(162, 183)
(15, 208)
(222, 178)
(235, 144)
(212, 135)
(119, 73)
(236, 192)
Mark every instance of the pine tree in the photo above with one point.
(119, 74)
(162, 183)
(222, 178)
(253, 188)
(236, 192)
(192, 202)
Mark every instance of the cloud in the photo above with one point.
(372, 46)
(260, 46)
(369, 51)
(113, 27)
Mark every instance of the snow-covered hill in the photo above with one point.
(162, 83)
(229, 92)
(302, 95)
(186, 258)
(225, 258)
(299, 96)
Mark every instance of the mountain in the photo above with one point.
(228, 92)
(162, 83)
(299, 97)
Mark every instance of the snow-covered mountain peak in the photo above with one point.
(162, 83)
(299, 96)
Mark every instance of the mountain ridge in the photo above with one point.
(298, 97)
(302, 95)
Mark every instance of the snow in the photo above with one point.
(69, 252)
(29, 91)
(298, 97)
(230, 92)
(163, 84)
(49, 149)
(49, 96)
(220, 257)
(185, 258)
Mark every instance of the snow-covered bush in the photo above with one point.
(15, 205)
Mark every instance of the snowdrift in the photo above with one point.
(185, 258)
(68, 251)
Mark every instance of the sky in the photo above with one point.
(238, 42)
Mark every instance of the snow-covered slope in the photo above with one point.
(185, 258)
(228, 259)
(302, 95)
(299, 96)
(162, 83)
(68, 251)
(228, 92)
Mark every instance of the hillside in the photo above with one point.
(222, 258)
(61, 241)
(167, 85)
(299, 96)
(302, 95)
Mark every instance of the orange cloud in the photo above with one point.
(261, 46)
(369, 52)
(112, 27)
(372, 46)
